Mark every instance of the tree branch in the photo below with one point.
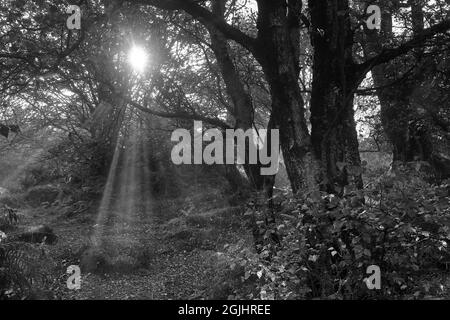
(387, 55)
(206, 17)
(180, 115)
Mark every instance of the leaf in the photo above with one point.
(259, 274)
(334, 202)
(2, 236)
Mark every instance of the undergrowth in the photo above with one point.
(325, 243)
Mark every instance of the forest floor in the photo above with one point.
(171, 251)
(158, 248)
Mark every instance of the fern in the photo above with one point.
(23, 270)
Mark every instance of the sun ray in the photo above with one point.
(132, 181)
(146, 174)
(105, 204)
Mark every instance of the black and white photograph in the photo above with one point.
(230, 157)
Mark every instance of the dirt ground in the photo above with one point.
(167, 251)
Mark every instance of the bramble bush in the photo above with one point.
(399, 222)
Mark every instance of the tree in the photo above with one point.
(243, 111)
(336, 78)
(411, 91)
(326, 158)
(276, 48)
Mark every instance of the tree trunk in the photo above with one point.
(278, 56)
(242, 101)
(335, 80)
(397, 115)
(408, 130)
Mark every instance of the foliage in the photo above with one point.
(10, 200)
(8, 217)
(79, 107)
(400, 223)
(77, 162)
(24, 271)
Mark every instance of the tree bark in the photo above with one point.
(335, 80)
(278, 56)
(243, 112)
